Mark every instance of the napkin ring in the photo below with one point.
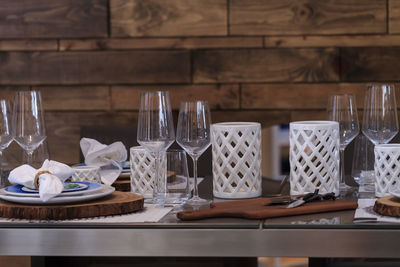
(36, 180)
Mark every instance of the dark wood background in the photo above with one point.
(257, 60)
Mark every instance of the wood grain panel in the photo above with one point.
(394, 16)
(370, 64)
(63, 130)
(94, 67)
(258, 17)
(8, 92)
(332, 41)
(297, 96)
(76, 98)
(165, 43)
(266, 118)
(53, 19)
(266, 65)
(306, 115)
(28, 45)
(219, 97)
(168, 18)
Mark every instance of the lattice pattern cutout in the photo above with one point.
(236, 152)
(86, 175)
(314, 158)
(387, 169)
(142, 172)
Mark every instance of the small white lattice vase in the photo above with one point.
(143, 171)
(387, 168)
(86, 174)
(314, 157)
(236, 159)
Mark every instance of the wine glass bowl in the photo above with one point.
(28, 123)
(6, 134)
(193, 135)
(155, 125)
(343, 109)
(380, 122)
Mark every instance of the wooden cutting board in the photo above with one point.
(260, 208)
(116, 203)
(389, 206)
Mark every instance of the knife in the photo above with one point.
(311, 197)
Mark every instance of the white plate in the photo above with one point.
(105, 190)
(126, 164)
(90, 190)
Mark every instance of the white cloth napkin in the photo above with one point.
(109, 158)
(366, 214)
(50, 185)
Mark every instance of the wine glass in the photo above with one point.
(29, 124)
(6, 133)
(156, 133)
(380, 123)
(343, 109)
(193, 135)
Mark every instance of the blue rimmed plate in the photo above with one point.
(21, 191)
(103, 191)
(68, 187)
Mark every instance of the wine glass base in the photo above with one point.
(197, 201)
(346, 190)
(344, 187)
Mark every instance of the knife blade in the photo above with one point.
(311, 197)
(307, 198)
(280, 200)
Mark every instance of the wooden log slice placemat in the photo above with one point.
(389, 206)
(116, 203)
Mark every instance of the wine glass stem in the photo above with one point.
(195, 189)
(342, 165)
(30, 157)
(157, 170)
(2, 183)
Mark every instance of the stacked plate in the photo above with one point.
(126, 170)
(73, 192)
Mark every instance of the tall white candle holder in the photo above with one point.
(387, 168)
(314, 157)
(236, 158)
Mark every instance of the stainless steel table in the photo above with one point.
(321, 235)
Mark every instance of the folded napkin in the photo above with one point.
(109, 158)
(51, 183)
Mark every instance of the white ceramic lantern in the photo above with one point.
(387, 168)
(236, 157)
(314, 157)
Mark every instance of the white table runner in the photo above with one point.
(150, 213)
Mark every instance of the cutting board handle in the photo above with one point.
(209, 213)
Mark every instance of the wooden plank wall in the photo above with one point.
(265, 60)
